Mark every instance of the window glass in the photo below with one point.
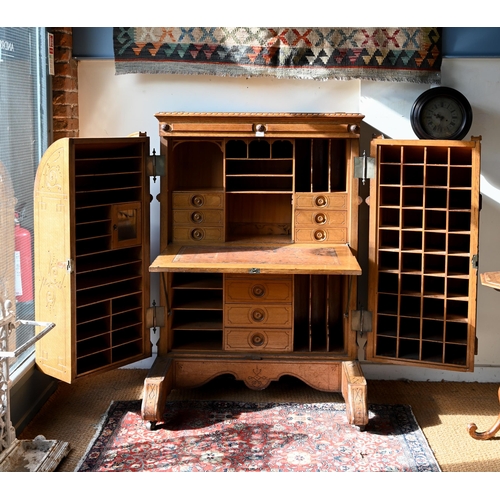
(24, 121)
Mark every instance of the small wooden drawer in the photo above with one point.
(245, 339)
(337, 201)
(193, 199)
(258, 289)
(335, 218)
(198, 217)
(261, 315)
(321, 235)
(198, 234)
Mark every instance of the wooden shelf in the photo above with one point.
(107, 276)
(197, 341)
(195, 281)
(197, 301)
(185, 320)
(108, 260)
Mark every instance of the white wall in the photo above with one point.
(119, 105)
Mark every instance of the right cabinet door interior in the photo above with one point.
(424, 219)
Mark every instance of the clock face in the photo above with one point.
(442, 117)
(441, 113)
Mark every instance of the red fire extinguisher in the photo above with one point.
(23, 260)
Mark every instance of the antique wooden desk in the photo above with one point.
(258, 254)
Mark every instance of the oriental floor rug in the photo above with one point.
(221, 436)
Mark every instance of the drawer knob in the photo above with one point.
(257, 339)
(258, 315)
(319, 235)
(197, 217)
(320, 218)
(320, 201)
(260, 127)
(258, 291)
(197, 234)
(197, 200)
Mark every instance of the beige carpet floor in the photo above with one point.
(443, 411)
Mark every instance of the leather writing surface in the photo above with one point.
(257, 255)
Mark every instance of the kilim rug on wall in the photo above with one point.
(387, 54)
(219, 436)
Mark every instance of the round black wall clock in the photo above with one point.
(441, 113)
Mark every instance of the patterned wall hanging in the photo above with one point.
(387, 54)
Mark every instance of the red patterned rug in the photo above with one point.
(221, 436)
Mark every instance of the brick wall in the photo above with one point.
(64, 86)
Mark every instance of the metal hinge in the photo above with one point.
(364, 167)
(475, 261)
(70, 266)
(155, 165)
(155, 317)
(361, 321)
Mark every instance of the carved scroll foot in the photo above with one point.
(157, 387)
(486, 434)
(354, 390)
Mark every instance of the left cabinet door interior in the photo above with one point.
(92, 255)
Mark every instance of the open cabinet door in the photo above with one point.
(54, 282)
(424, 220)
(92, 255)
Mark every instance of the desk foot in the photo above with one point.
(157, 387)
(486, 434)
(354, 391)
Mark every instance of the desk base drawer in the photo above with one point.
(260, 316)
(254, 339)
(258, 289)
